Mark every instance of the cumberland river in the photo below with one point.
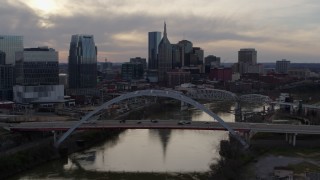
(161, 151)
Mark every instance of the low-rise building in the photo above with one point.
(139, 60)
(152, 75)
(177, 77)
(221, 74)
(132, 71)
(299, 73)
(240, 87)
(211, 61)
(42, 93)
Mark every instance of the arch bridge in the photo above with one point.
(222, 95)
(212, 94)
(255, 98)
(156, 93)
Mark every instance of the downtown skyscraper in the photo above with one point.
(11, 45)
(82, 62)
(247, 55)
(247, 61)
(10, 48)
(153, 43)
(164, 56)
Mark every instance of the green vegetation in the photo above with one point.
(233, 160)
(22, 160)
(305, 92)
(43, 152)
(262, 135)
(304, 167)
(292, 152)
(3, 132)
(135, 175)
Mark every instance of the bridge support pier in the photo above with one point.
(183, 106)
(291, 139)
(247, 135)
(294, 139)
(55, 136)
(291, 109)
(272, 107)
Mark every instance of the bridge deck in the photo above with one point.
(166, 124)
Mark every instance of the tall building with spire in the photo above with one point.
(153, 44)
(164, 56)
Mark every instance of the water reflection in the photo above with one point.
(164, 136)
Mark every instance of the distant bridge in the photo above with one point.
(223, 95)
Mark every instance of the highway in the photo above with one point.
(164, 124)
(307, 106)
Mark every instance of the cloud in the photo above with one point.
(287, 28)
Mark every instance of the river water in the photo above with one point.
(147, 150)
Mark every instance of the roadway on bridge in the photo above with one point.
(165, 124)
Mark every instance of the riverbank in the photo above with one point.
(39, 152)
(29, 150)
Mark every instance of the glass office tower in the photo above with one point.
(6, 78)
(82, 63)
(40, 66)
(10, 45)
(154, 39)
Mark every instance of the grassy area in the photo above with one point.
(311, 153)
(292, 151)
(304, 167)
(55, 170)
(140, 175)
(262, 135)
(3, 131)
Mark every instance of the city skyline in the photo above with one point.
(277, 30)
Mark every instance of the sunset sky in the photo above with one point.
(278, 29)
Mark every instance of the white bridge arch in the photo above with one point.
(157, 93)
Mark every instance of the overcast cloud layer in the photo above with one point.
(286, 29)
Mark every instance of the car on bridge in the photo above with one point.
(181, 122)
